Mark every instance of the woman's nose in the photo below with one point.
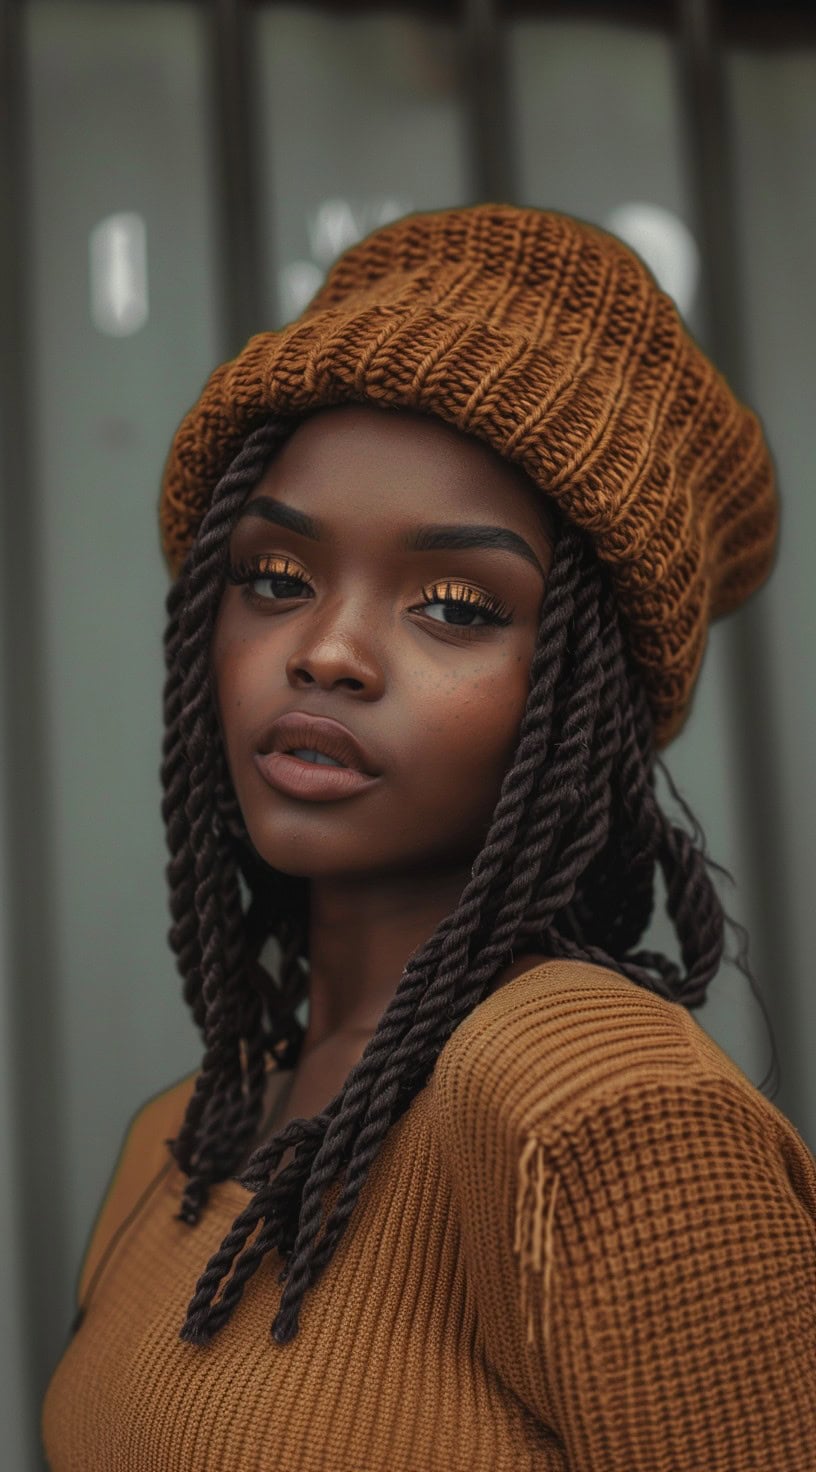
(329, 655)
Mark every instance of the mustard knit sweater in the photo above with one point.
(589, 1244)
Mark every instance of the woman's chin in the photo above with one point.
(303, 857)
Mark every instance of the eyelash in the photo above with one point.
(277, 570)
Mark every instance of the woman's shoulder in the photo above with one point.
(142, 1156)
(576, 1065)
(557, 1038)
(567, 1014)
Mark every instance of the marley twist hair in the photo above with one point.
(569, 864)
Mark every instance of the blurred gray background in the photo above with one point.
(178, 175)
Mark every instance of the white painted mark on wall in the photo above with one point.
(297, 283)
(118, 266)
(665, 243)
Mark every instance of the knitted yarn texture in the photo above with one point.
(547, 338)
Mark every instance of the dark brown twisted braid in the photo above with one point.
(568, 864)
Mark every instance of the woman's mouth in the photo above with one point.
(315, 756)
(310, 775)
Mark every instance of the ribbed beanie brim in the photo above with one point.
(550, 340)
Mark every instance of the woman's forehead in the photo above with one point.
(352, 461)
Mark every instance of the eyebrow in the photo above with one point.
(423, 539)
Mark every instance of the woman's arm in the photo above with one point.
(642, 1249)
(667, 1258)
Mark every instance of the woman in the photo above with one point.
(445, 553)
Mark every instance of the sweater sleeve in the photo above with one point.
(644, 1270)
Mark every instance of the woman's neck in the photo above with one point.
(361, 935)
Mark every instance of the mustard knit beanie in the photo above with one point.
(550, 340)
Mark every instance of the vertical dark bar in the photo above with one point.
(487, 104)
(35, 1086)
(711, 175)
(244, 285)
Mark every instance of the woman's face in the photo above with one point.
(434, 695)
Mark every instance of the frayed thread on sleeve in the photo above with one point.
(533, 1236)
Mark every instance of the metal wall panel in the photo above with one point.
(361, 121)
(772, 100)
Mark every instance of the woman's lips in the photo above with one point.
(308, 780)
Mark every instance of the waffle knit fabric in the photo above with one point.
(550, 340)
(589, 1245)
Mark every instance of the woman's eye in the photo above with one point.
(464, 605)
(269, 580)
